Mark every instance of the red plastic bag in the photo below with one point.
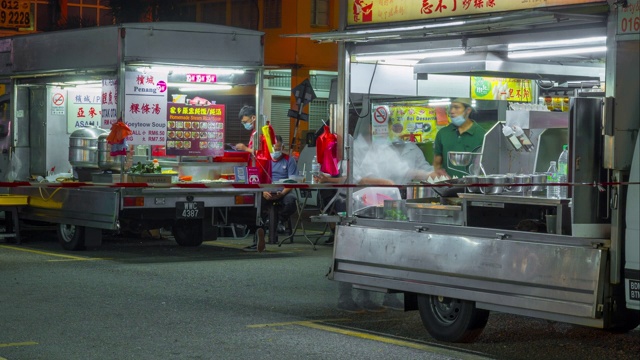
(327, 152)
(119, 132)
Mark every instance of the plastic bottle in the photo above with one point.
(552, 177)
(315, 169)
(562, 171)
(508, 133)
(523, 138)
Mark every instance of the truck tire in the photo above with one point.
(71, 237)
(451, 320)
(187, 233)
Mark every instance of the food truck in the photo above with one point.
(458, 255)
(173, 84)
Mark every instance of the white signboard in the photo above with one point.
(83, 108)
(629, 18)
(380, 124)
(109, 103)
(145, 107)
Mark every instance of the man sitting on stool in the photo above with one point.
(282, 167)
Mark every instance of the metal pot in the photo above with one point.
(472, 179)
(538, 178)
(517, 180)
(417, 191)
(83, 147)
(498, 180)
(105, 160)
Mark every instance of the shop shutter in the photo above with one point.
(279, 120)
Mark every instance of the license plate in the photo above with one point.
(634, 290)
(190, 210)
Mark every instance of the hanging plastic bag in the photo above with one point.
(327, 152)
(263, 154)
(118, 138)
(269, 136)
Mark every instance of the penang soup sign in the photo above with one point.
(363, 12)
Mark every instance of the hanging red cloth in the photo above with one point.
(327, 152)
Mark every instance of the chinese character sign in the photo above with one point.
(383, 11)
(488, 88)
(194, 130)
(145, 107)
(109, 101)
(84, 109)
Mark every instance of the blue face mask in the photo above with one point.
(276, 155)
(248, 126)
(458, 120)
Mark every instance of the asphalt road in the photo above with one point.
(151, 299)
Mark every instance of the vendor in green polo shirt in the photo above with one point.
(462, 134)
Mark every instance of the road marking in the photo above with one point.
(26, 343)
(319, 325)
(40, 252)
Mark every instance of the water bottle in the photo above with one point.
(315, 169)
(553, 192)
(562, 171)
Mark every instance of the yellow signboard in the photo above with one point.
(363, 12)
(15, 14)
(413, 123)
(488, 88)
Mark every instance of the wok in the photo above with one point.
(448, 188)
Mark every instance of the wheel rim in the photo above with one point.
(445, 310)
(67, 231)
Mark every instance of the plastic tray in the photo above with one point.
(14, 200)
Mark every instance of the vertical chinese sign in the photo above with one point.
(109, 102)
(83, 108)
(195, 130)
(145, 107)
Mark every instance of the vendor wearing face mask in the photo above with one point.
(462, 134)
(283, 166)
(247, 117)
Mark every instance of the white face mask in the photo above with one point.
(276, 155)
(458, 120)
(248, 126)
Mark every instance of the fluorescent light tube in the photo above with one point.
(556, 43)
(557, 52)
(408, 56)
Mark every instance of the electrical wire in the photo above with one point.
(375, 67)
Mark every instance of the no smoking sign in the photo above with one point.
(57, 104)
(380, 114)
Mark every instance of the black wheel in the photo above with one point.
(71, 237)
(451, 320)
(629, 320)
(187, 233)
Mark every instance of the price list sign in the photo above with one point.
(15, 14)
(195, 130)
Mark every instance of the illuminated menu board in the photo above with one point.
(195, 130)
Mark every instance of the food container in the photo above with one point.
(395, 210)
(105, 160)
(83, 147)
(432, 211)
(471, 179)
(517, 181)
(497, 180)
(538, 179)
